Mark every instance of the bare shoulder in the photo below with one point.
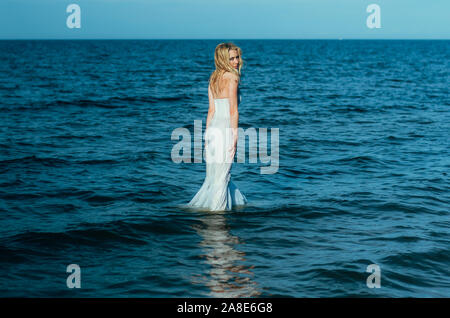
(231, 76)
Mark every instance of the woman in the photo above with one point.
(218, 192)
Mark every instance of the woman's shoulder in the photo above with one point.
(230, 76)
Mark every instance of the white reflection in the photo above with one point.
(226, 278)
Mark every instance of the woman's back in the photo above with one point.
(223, 84)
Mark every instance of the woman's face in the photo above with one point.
(234, 59)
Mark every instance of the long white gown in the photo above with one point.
(218, 192)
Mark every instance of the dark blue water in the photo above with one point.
(87, 176)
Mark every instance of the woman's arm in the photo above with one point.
(211, 109)
(234, 114)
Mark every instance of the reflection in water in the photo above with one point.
(227, 278)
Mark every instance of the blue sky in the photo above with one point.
(231, 19)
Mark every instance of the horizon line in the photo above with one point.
(221, 39)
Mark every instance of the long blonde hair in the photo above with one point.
(222, 62)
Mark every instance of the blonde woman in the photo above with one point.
(218, 192)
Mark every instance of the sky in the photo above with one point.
(231, 19)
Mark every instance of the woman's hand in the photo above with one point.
(232, 148)
(206, 137)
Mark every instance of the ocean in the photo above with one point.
(87, 176)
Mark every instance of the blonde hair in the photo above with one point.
(222, 62)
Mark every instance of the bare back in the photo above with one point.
(224, 82)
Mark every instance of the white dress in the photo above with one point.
(218, 192)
